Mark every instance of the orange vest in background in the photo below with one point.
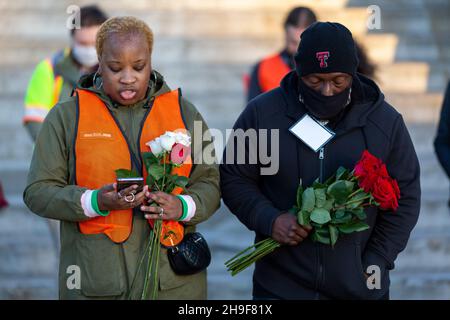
(101, 148)
(270, 72)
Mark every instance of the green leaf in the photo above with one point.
(359, 213)
(328, 204)
(303, 218)
(330, 180)
(320, 216)
(149, 159)
(342, 216)
(294, 210)
(340, 190)
(308, 200)
(334, 234)
(125, 173)
(321, 197)
(299, 196)
(321, 235)
(150, 181)
(341, 173)
(156, 171)
(339, 213)
(181, 181)
(169, 187)
(317, 185)
(354, 226)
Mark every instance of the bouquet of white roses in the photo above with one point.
(167, 152)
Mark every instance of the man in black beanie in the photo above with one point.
(326, 87)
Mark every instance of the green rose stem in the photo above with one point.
(242, 261)
(355, 193)
(154, 295)
(354, 201)
(155, 249)
(147, 247)
(150, 265)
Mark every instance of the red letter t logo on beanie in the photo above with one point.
(322, 57)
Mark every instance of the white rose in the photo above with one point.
(183, 138)
(155, 146)
(167, 141)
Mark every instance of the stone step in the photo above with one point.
(427, 244)
(174, 4)
(26, 244)
(207, 22)
(381, 48)
(422, 285)
(411, 77)
(29, 288)
(417, 107)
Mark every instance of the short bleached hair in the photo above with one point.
(122, 26)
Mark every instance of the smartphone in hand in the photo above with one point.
(123, 183)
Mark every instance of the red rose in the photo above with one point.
(368, 169)
(386, 193)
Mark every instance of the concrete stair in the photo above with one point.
(206, 47)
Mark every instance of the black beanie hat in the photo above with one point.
(326, 47)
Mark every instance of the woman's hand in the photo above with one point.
(109, 199)
(168, 206)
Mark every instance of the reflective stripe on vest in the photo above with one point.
(101, 148)
(270, 72)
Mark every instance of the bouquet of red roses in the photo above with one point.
(334, 207)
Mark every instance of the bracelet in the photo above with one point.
(94, 203)
(185, 208)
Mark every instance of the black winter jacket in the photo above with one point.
(313, 270)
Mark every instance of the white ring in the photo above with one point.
(132, 196)
(161, 212)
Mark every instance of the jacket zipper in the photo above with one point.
(321, 158)
(319, 251)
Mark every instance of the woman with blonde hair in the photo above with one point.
(103, 127)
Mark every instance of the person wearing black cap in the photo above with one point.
(326, 87)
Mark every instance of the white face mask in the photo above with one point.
(85, 55)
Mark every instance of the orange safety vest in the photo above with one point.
(101, 148)
(270, 72)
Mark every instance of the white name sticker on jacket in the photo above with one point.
(312, 133)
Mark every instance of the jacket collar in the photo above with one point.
(366, 97)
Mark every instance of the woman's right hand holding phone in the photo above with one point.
(109, 199)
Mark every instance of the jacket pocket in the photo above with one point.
(343, 276)
(167, 278)
(101, 266)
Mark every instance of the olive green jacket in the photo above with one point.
(106, 268)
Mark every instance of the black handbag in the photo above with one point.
(190, 256)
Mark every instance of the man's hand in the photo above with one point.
(286, 230)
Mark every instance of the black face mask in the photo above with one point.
(323, 107)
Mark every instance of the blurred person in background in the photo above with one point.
(365, 66)
(3, 202)
(104, 127)
(267, 73)
(54, 78)
(442, 140)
